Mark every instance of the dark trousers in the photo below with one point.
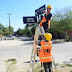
(48, 66)
(45, 26)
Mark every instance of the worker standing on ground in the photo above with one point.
(45, 22)
(45, 54)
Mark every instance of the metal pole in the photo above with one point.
(9, 23)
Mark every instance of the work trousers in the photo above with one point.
(45, 26)
(48, 66)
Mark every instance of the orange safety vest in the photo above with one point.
(43, 20)
(45, 54)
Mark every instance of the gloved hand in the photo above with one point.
(40, 23)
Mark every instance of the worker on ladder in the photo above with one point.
(45, 22)
(45, 54)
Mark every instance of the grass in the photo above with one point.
(68, 65)
(38, 68)
(13, 61)
(11, 65)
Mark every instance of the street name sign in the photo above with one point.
(29, 19)
(40, 10)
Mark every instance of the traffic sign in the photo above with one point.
(29, 19)
(40, 10)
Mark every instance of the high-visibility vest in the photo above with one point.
(45, 54)
(43, 20)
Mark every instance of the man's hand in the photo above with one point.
(40, 23)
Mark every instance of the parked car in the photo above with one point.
(9, 38)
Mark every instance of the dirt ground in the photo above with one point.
(14, 66)
(62, 68)
(59, 68)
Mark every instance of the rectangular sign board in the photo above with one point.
(40, 10)
(29, 19)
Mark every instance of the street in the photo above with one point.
(21, 52)
(62, 52)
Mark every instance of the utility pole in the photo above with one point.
(9, 23)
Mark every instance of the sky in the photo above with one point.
(20, 8)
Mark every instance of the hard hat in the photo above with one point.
(49, 6)
(48, 36)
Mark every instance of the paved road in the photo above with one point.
(21, 53)
(62, 51)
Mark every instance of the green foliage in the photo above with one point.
(25, 31)
(28, 31)
(11, 65)
(1, 32)
(5, 30)
(1, 27)
(62, 22)
(31, 27)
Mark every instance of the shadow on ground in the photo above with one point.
(29, 61)
(68, 62)
(26, 39)
(53, 41)
(57, 42)
(30, 43)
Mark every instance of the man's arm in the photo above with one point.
(48, 24)
(37, 43)
(49, 18)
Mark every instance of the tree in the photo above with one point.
(63, 19)
(1, 27)
(18, 31)
(25, 31)
(1, 32)
(6, 30)
(31, 27)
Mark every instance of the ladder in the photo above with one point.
(39, 31)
